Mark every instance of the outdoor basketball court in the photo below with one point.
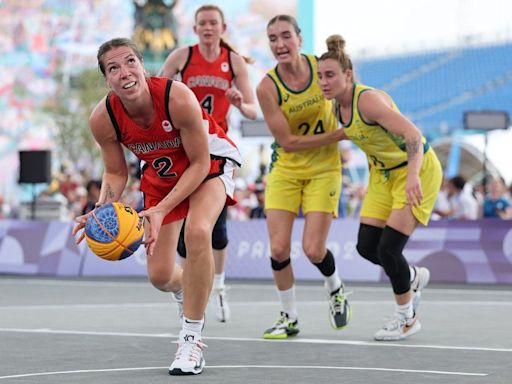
(123, 331)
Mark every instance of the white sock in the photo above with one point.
(195, 326)
(218, 280)
(288, 302)
(413, 272)
(405, 310)
(333, 282)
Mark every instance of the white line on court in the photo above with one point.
(242, 304)
(294, 367)
(248, 339)
(467, 290)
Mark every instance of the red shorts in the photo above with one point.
(219, 167)
(178, 213)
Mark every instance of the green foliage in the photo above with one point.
(70, 110)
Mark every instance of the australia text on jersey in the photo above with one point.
(305, 104)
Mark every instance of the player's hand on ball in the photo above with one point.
(81, 220)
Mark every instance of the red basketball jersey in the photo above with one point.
(160, 147)
(209, 81)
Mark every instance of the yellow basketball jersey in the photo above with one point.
(384, 149)
(307, 113)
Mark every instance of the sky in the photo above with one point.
(376, 27)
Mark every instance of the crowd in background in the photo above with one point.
(459, 199)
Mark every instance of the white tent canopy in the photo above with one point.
(499, 153)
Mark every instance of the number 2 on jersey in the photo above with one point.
(163, 167)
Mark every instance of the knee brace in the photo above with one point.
(367, 242)
(327, 266)
(390, 250)
(220, 233)
(182, 250)
(279, 265)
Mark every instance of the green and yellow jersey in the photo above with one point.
(307, 113)
(384, 149)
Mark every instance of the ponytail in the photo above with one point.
(223, 43)
(336, 51)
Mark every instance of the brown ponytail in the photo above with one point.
(336, 50)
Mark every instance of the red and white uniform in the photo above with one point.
(209, 81)
(160, 148)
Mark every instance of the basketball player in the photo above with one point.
(210, 69)
(305, 173)
(161, 122)
(405, 179)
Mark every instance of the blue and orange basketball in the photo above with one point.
(114, 231)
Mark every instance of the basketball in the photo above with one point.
(114, 231)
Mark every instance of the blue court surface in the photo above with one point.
(124, 331)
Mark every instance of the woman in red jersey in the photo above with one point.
(187, 172)
(211, 69)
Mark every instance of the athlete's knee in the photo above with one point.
(368, 239)
(198, 236)
(314, 251)
(161, 280)
(395, 265)
(280, 252)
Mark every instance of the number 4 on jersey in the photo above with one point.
(207, 104)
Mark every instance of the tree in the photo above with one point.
(70, 110)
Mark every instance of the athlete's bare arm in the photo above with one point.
(375, 107)
(174, 63)
(278, 125)
(115, 175)
(242, 96)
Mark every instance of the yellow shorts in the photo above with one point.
(386, 191)
(320, 194)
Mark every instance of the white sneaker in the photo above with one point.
(178, 298)
(222, 310)
(398, 328)
(418, 284)
(189, 357)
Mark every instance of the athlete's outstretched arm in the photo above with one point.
(280, 128)
(115, 174)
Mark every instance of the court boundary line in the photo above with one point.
(361, 343)
(238, 303)
(295, 367)
(466, 290)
